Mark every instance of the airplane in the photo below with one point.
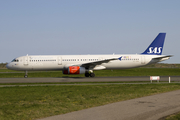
(86, 64)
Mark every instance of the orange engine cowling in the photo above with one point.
(74, 70)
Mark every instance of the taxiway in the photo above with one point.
(79, 79)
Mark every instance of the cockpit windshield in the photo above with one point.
(15, 60)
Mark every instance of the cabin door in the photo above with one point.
(143, 60)
(25, 60)
(59, 60)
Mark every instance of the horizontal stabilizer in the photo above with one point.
(162, 58)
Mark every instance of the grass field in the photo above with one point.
(173, 117)
(150, 70)
(25, 103)
(5, 73)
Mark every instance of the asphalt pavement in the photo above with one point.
(146, 108)
(84, 79)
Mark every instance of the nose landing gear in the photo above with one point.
(26, 74)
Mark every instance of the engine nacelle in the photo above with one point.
(74, 70)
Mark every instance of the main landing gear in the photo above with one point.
(89, 74)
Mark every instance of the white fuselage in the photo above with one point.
(85, 64)
(60, 62)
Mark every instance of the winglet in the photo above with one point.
(156, 47)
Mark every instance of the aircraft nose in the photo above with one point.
(8, 66)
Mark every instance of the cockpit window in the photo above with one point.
(15, 60)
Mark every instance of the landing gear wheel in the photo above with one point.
(25, 76)
(87, 74)
(92, 75)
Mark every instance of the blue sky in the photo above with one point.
(73, 27)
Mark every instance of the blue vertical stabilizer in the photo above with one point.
(156, 47)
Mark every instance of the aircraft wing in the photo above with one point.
(96, 64)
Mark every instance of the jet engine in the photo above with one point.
(74, 70)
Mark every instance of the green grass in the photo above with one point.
(101, 73)
(7, 70)
(37, 102)
(173, 117)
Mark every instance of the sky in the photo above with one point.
(78, 27)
